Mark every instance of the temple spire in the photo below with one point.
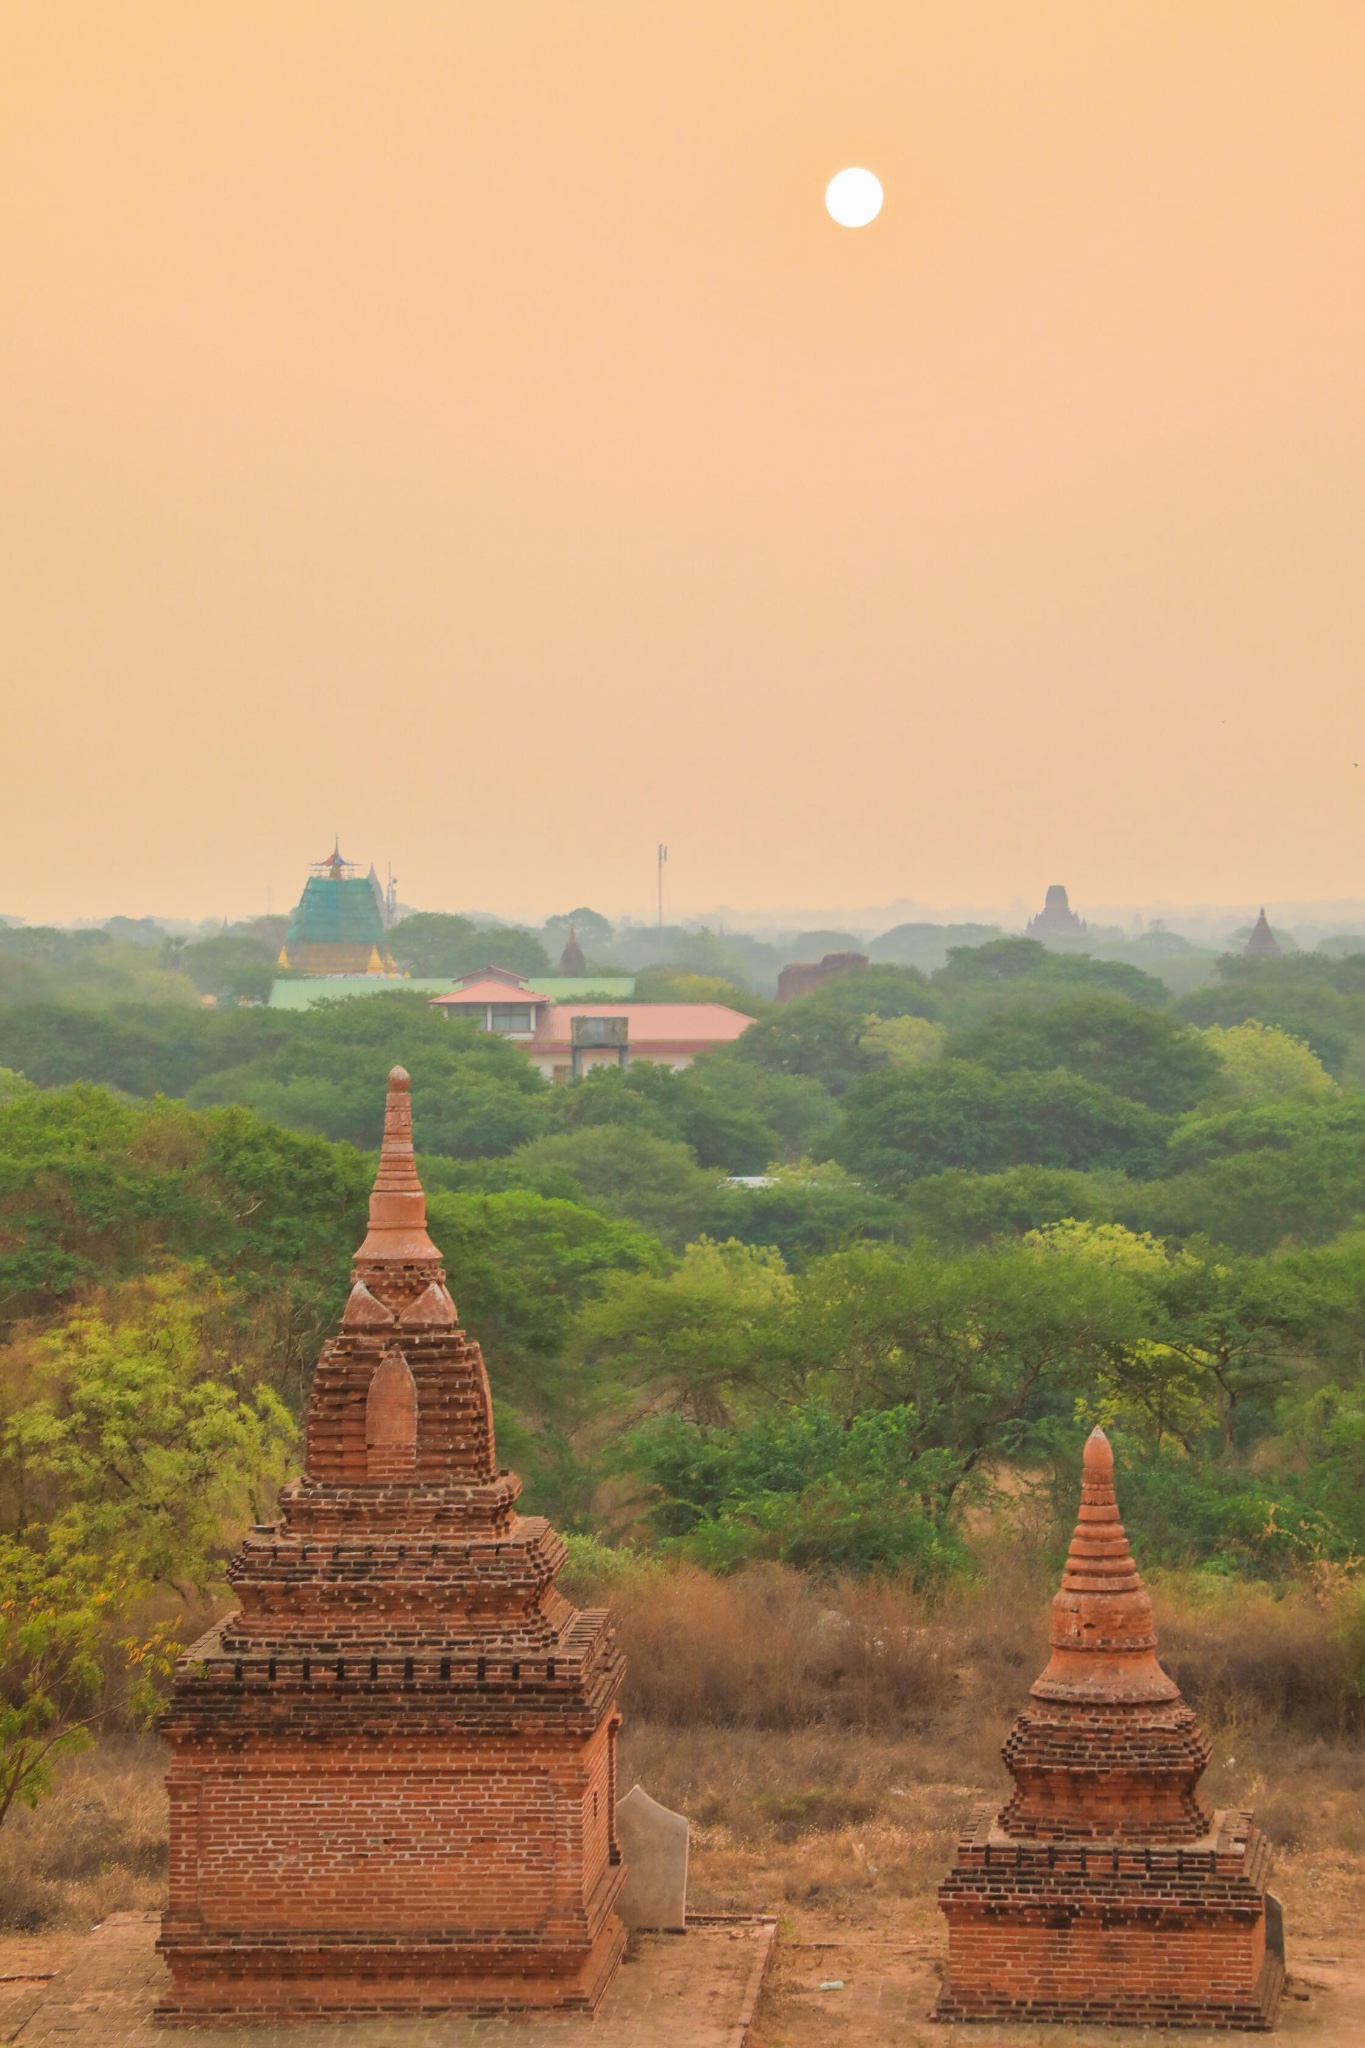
(1262, 944)
(1103, 1637)
(398, 1206)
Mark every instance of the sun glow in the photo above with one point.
(853, 197)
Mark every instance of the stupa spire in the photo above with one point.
(398, 1205)
(1103, 1637)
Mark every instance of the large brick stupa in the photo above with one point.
(393, 1767)
(1104, 1890)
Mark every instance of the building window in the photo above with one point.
(511, 1017)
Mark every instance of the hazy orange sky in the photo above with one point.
(461, 426)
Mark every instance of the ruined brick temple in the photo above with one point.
(392, 1768)
(1105, 1890)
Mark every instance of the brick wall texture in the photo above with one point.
(392, 1771)
(1104, 1890)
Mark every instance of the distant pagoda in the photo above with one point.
(571, 960)
(1263, 944)
(1056, 919)
(337, 926)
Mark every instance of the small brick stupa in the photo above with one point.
(1105, 1890)
(393, 1768)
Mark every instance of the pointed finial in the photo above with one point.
(1099, 1453)
(398, 1207)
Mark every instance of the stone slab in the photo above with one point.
(696, 1990)
(654, 1848)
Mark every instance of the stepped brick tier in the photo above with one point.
(393, 1767)
(1105, 1890)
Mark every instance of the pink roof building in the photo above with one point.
(567, 1040)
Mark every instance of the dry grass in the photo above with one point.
(772, 1648)
(827, 1740)
(97, 1846)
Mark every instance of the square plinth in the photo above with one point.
(1118, 1932)
(370, 1853)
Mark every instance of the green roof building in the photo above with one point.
(338, 923)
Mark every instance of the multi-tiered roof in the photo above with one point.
(337, 925)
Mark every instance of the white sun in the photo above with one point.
(854, 197)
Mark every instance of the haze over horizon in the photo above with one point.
(467, 428)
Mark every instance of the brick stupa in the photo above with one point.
(1105, 1890)
(393, 1767)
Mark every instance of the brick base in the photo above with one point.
(436, 1844)
(1111, 1932)
(234, 1984)
(1254, 2014)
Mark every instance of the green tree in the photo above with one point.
(622, 1170)
(804, 1211)
(143, 1048)
(1311, 996)
(800, 1113)
(57, 1641)
(94, 1191)
(1260, 1063)
(1232, 1325)
(1273, 1173)
(684, 985)
(822, 1035)
(721, 1131)
(474, 1093)
(699, 1340)
(137, 1441)
(804, 1486)
(433, 944)
(1015, 972)
(904, 1041)
(231, 965)
(958, 1210)
(41, 964)
(1128, 1047)
(981, 1346)
(903, 1123)
(523, 1266)
(595, 932)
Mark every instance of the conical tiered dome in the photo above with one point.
(402, 1529)
(1110, 1750)
(398, 1206)
(1103, 1641)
